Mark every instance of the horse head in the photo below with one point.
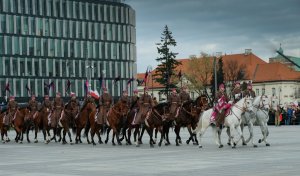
(274, 103)
(190, 108)
(122, 108)
(248, 103)
(202, 102)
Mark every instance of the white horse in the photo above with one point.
(262, 118)
(232, 121)
(259, 115)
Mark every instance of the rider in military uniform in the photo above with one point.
(33, 107)
(58, 105)
(12, 107)
(88, 98)
(73, 104)
(184, 95)
(236, 93)
(124, 98)
(105, 102)
(221, 100)
(146, 104)
(175, 102)
(249, 92)
(135, 104)
(47, 103)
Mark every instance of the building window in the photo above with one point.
(273, 91)
(263, 91)
(257, 92)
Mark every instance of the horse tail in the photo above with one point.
(87, 128)
(199, 124)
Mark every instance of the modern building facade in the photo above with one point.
(61, 41)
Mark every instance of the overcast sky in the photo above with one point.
(210, 26)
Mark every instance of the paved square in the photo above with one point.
(281, 158)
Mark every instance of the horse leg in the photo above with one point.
(136, 133)
(250, 127)
(141, 136)
(117, 137)
(129, 136)
(99, 137)
(239, 131)
(92, 136)
(36, 129)
(150, 132)
(70, 136)
(177, 130)
(107, 135)
(228, 133)
(155, 135)
(113, 138)
(27, 134)
(243, 138)
(265, 132)
(64, 137)
(217, 134)
(167, 130)
(161, 136)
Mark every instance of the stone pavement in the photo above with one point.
(281, 158)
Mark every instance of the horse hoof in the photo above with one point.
(233, 147)
(119, 143)
(20, 142)
(100, 142)
(177, 144)
(268, 145)
(140, 142)
(200, 146)
(234, 144)
(105, 142)
(228, 143)
(94, 144)
(195, 143)
(159, 144)
(28, 141)
(259, 141)
(8, 140)
(255, 146)
(36, 141)
(221, 146)
(113, 144)
(180, 142)
(89, 142)
(244, 143)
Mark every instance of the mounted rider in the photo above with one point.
(124, 98)
(58, 105)
(33, 107)
(134, 103)
(105, 102)
(249, 92)
(175, 103)
(146, 104)
(47, 103)
(184, 95)
(222, 104)
(236, 93)
(73, 104)
(12, 108)
(88, 99)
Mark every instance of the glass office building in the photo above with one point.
(43, 41)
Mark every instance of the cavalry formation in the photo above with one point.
(139, 114)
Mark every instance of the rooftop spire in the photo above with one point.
(280, 49)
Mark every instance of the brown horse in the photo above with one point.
(82, 120)
(159, 119)
(41, 122)
(116, 119)
(3, 128)
(29, 123)
(66, 122)
(129, 127)
(95, 126)
(18, 123)
(187, 117)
